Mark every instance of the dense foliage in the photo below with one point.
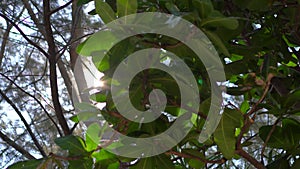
(258, 42)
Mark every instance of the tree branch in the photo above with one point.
(34, 139)
(16, 146)
(249, 158)
(221, 161)
(32, 96)
(61, 7)
(24, 35)
(53, 73)
(33, 17)
(267, 140)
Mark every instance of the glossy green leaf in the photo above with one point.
(291, 128)
(224, 135)
(82, 2)
(163, 161)
(86, 107)
(286, 137)
(75, 119)
(226, 22)
(160, 161)
(83, 163)
(245, 106)
(92, 138)
(103, 155)
(92, 47)
(86, 112)
(292, 98)
(29, 164)
(74, 144)
(217, 41)
(104, 11)
(276, 140)
(99, 97)
(126, 7)
(172, 8)
(145, 163)
(193, 162)
(204, 8)
(114, 166)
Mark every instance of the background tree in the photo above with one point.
(257, 40)
(37, 44)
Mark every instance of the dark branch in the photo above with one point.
(34, 139)
(32, 96)
(16, 146)
(24, 35)
(53, 73)
(251, 159)
(61, 7)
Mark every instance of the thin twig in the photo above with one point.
(61, 7)
(32, 96)
(27, 126)
(24, 35)
(184, 155)
(267, 140)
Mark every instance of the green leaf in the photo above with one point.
(281, 163)
(82, 2)
(126, 7)
(286, 137)
(88, 115)
(292, 98)
(204, 106)
(91, 46)
(291, 128)
(276, 140)
(192, 162)
(234, 68)
(86, 112)
(226, 22)
(103, 155)
(145, 163)
(172, 8)
(104, 11)
(86, 107)
(160, 161)
(196, 163)
(245, 106)
(74, 144)
(29, 164)
(204, 8)
(114, 166)
(102, 63)
(92, 138)
(163, 161)
(217, 41)
(75, 119)
(83, 163)
(224, 135)
(99, 97)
